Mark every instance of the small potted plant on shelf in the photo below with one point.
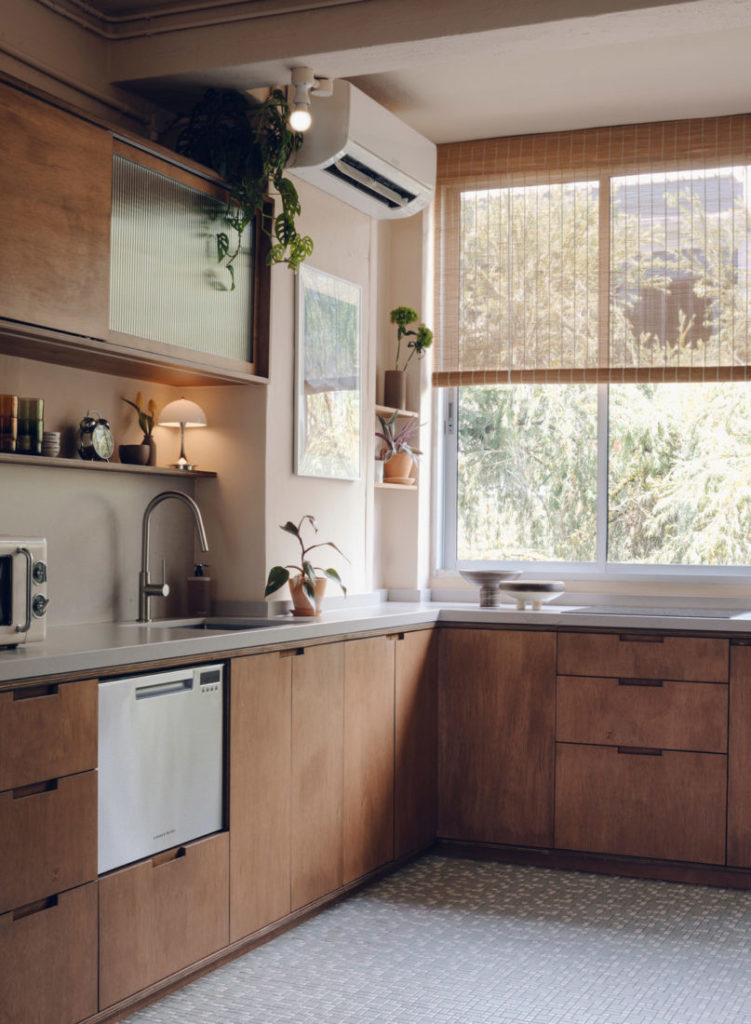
(400, 454)
(143, 454)
(308, 583)
(421, 338)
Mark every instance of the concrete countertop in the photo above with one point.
(103, 646)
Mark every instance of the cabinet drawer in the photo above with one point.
(648, 656)
(48, 960)
(669, 805)
(161, 915)
(48, 839)
(46, 732)
(642, 713)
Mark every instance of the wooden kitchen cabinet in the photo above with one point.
(161, 915)
(259, 791)
(368, 795)
(48, 960)
(47, 731)
(497, 736)
(739, 758)
(48, 838)
(55, 179)
(643, 656)
(415, 741)
(317, 772)
(639, 802)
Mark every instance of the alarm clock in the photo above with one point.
(95, 438)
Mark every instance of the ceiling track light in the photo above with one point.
(305, 84)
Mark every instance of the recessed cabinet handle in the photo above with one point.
(168, 857)
(295, 652)
(640, 638)
(643, 751)
(34, 908)
(34, 789)
(640, 682)
(32, 692)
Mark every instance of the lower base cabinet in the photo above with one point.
(415, 741)
(48, 959)
(161, 915)
(667, 804)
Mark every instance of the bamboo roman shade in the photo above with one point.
(607, 254)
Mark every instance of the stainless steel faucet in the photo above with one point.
(147, 589)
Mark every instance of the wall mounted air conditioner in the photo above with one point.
(364, 155)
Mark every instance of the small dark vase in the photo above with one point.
(149, 440)
(134, 454)
(395, 389)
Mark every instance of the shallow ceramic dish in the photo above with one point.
(488, 580)
(534, 593)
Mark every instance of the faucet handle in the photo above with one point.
(164, 585)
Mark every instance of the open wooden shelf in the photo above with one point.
(116, 467)
(387, 410)
(398, 487)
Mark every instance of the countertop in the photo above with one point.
(103, 646)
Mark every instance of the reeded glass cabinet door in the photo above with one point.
(165, 282)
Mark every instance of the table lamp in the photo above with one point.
(182, 413)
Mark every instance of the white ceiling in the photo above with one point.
(456, 71)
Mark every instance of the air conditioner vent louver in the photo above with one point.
(366, 180)
(366, 156)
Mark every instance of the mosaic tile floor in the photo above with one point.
(448, 941)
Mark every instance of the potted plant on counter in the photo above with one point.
(308, 583)
(421, 338)
(400, 454)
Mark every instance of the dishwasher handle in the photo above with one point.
(164, 689)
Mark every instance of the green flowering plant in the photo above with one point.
(422, 336)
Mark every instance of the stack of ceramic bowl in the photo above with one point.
(51, 443)
(488, 580)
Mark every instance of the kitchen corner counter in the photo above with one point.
(104, 646)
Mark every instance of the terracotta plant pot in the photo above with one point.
(395, 389)
(135, 454)
(301, 605)
(399, 468)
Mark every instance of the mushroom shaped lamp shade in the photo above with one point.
(182, 413)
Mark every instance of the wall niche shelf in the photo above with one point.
(397, 487)
(116, 467)
(387, 410)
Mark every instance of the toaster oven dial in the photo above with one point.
(39, 605)
(39, 572)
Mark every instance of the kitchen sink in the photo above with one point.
(218, 625)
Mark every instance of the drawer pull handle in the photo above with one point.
(640, 682)
(640, 638)
(168, 857)
(30, 692)
(34, 789)
(644, 751)
(295, 652)
(34, 908)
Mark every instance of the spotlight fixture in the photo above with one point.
(304, 83)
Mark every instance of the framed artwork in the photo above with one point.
(328, 376)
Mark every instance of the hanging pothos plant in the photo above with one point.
(250, 147)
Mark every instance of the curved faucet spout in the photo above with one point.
(147, 589)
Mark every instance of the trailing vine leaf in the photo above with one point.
(250, 147)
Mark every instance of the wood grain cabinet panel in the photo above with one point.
(669, 804)
(739, 759)
(55, 180)
(161, 915)
(46, 732)
(497, 736)
(317, 772)
(415, 742)
(48, 839)
(642, 713)
(368, 802)
(645, 656)
(48, 960)
(260, 780)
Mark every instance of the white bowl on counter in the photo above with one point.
(488, 580)
(532, 592)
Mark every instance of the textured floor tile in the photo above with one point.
(447, 941)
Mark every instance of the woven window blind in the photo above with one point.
(615, 254)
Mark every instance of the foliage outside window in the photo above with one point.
(594, 327)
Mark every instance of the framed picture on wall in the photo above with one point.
(328, 376)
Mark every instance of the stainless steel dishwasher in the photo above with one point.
(161, 761)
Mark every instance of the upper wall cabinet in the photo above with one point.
(55, 177)
(108, 258)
